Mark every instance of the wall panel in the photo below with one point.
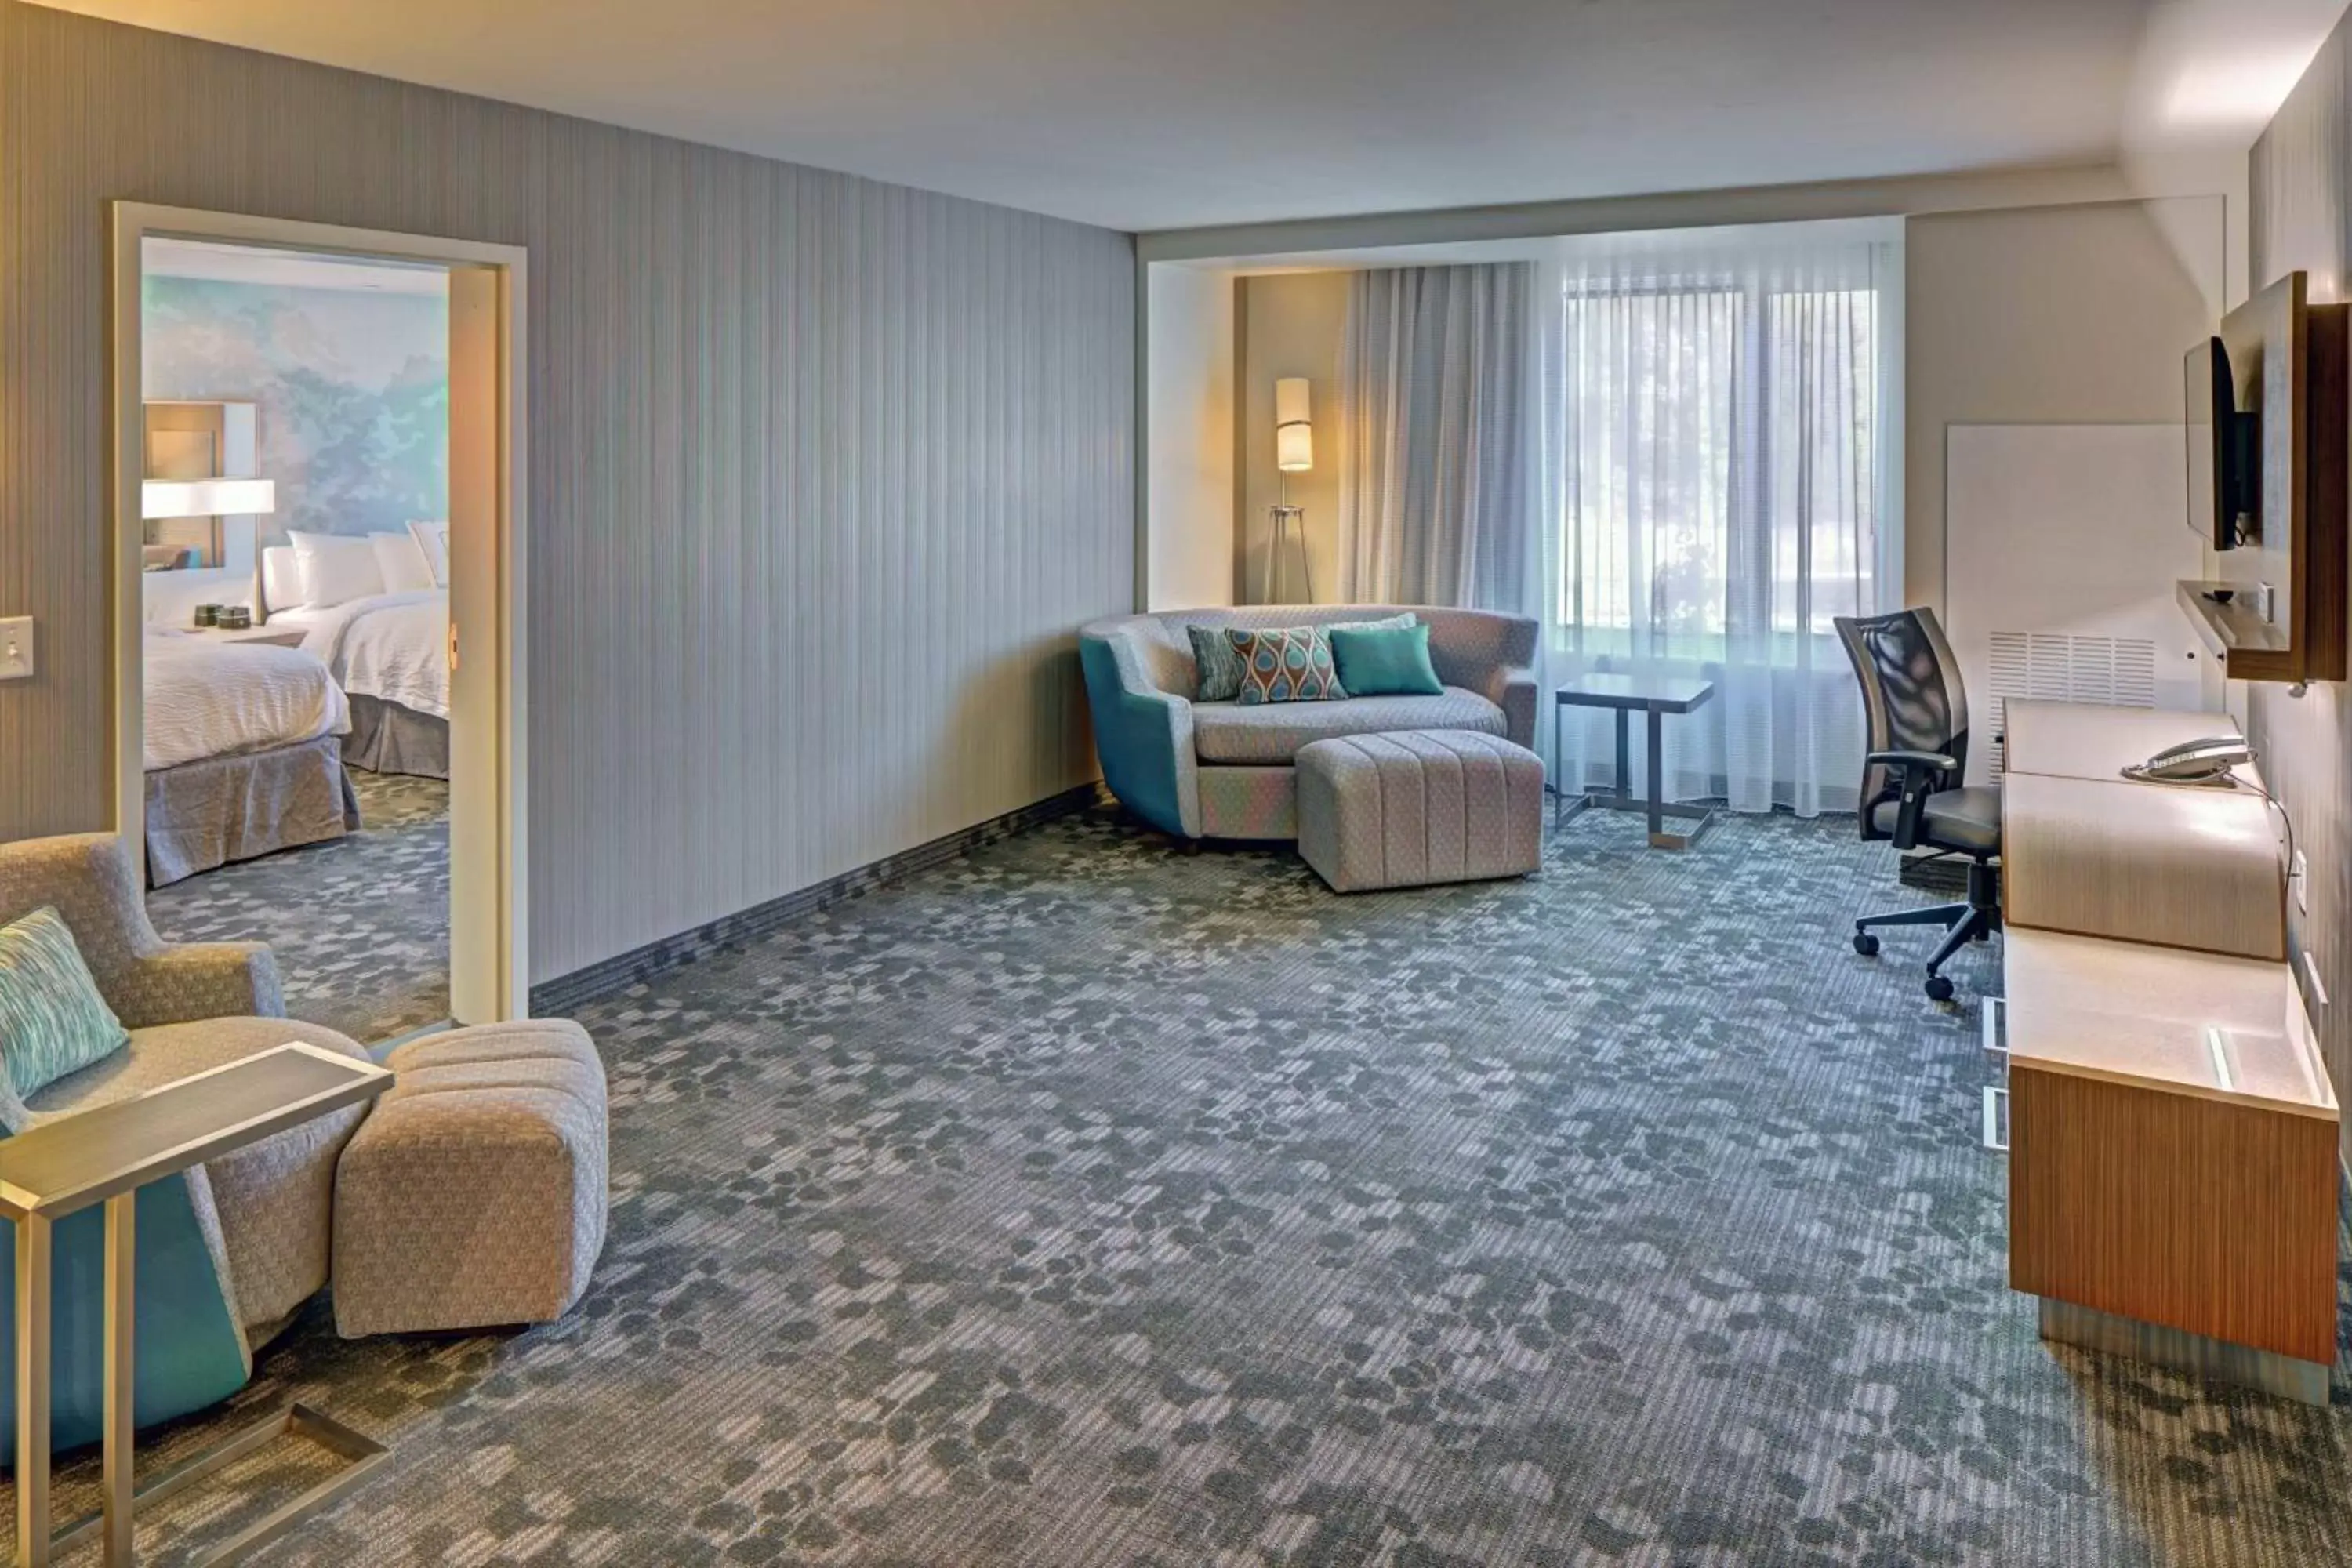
(825, 473)
(2301, 202)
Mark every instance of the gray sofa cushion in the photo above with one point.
(1228, 732)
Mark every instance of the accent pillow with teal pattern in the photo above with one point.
(53, 1021)
(1286, 664)
(1216, 666)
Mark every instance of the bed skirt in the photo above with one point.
(387, 738)
(210, 812)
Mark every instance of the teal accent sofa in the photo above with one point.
(1221, 770)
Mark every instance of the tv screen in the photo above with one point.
(2223, 446)
(2196, 389)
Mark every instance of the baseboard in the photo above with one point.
(568, 992)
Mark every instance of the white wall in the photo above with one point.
(1293, 324)
(2065, 315)
(1189, 394)
(825, 473)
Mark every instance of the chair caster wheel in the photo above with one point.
(1865, 945)
(1938, 988)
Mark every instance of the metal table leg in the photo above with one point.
(33, 1253)
(121, 1314)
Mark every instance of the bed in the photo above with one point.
(243, 753)
(390, 654)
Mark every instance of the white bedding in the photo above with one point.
(393, 646)
(205, 699)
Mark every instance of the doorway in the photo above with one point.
(335, 521)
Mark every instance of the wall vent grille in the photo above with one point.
(2057, 667)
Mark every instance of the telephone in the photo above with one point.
(2205, 762)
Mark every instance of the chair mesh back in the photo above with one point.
(1911, 690)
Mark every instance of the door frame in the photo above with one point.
(489, 926)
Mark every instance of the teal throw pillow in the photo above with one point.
(1286, 664)
(1216, 666)
(1384, 661)
(52, 1019)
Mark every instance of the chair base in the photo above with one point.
(1974, 921)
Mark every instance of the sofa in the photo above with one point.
(1223, 770)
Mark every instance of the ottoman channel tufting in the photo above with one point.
(1412, 807)
(473, 1196)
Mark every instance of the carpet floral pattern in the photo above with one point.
(360, 924)
(1085, 1203)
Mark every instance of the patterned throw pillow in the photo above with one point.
(1217, 669)
(1286, 664)
(52, 1019)
(1217, 665)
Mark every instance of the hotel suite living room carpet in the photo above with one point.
(1086, 1202)
(360, 924)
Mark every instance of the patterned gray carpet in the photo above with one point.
(1087, 1204)
(360, 925)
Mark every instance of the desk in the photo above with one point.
(2091, 741)
(2172, 1130)
(106, 1155)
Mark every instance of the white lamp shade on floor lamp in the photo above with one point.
(1294, 432)
(207, 497)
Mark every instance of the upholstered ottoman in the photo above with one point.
(1416, 807)
(473, 1196)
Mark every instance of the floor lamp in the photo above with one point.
(1294, 453)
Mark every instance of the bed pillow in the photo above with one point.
(1286, 664)
(335, 568)
(433, 538)
(281, 577)
(401, 558)
(1384, 661)
(53, 1021)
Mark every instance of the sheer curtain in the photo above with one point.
(1434, 382)
(1715, 426)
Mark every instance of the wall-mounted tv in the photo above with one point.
(2225, 451)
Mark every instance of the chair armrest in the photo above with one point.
(1935, 762)
(1143, 739)
(188, 981)
(1512, 688)
(1923, 773)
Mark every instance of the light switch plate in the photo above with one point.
(2298, 876)
(16, 647)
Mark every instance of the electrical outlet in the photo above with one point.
(2298, 876)
(16, 647)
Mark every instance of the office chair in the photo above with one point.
(1911, 789)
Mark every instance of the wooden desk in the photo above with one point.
(2172, 1130)
(2179, 867)
(2172, 1167)
(2092, 741)
(106, 1155)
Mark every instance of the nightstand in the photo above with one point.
(274, 636)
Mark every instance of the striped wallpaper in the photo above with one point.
(823, 472)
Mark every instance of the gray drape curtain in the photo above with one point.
(1434, 397)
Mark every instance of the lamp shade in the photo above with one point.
(207, 497)
(1294, 433)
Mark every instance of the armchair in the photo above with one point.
(241, 1242)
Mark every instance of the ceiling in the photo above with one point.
(1155, 114)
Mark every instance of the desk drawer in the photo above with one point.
(2209, 1216)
